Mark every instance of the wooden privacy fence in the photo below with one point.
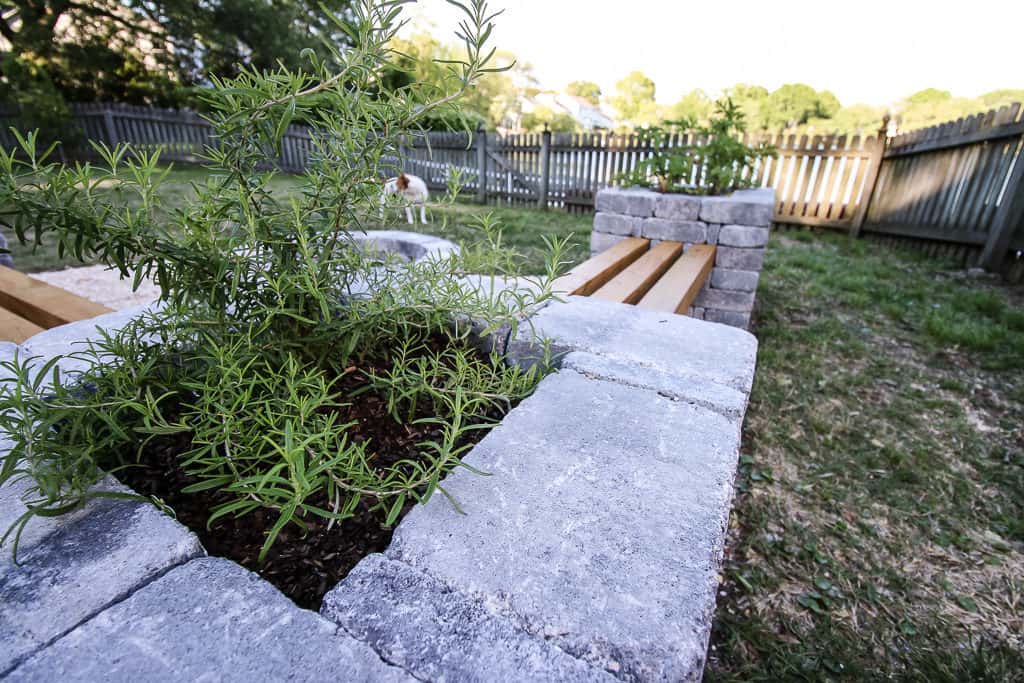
(958, 185)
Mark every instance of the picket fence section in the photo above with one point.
(956, 189)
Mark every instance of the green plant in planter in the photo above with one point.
(275, 331)
(715, 161)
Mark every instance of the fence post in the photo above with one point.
(108, 125)
(481, 164)
(1006, 219)
(874, 165)
(545, 168)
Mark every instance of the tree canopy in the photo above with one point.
(588, 90)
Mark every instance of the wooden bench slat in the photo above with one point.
(14, 328)
(42, 303)
(630, 285)
(590, 275)
(677, 289)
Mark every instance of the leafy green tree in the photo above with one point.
(588, 90)
(149, 51)
(751, 99)
(694, 105)
(1003, 97)
(634, 100)
(556, 122)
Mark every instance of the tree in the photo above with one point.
(751, 100)
(634, 100)
(791, 105)
(588, 90)
(556, 122)
(147, 51)
(694, 105)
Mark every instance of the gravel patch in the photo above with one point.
(103, 286)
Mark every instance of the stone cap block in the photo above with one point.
(613, 553)
(665, 342)
(410, 245)
(209, 620)
(754, 207)
(677, 207)
(82, 566)
(631, 201)
(436, 632)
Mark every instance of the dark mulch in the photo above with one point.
(303, 564)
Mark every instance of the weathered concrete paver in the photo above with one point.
(439, 633)
(663, 342)
(209, 620)
(601, 526)
(75, 568)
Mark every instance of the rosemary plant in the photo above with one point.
(268, 309)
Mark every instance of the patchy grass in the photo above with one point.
(879, 528)
(521, 228)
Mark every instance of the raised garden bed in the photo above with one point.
(590, 552)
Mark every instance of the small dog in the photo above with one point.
(412, 190)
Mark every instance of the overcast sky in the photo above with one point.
(871, 51)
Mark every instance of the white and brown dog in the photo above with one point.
(413, 192)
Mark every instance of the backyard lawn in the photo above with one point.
(879, 529)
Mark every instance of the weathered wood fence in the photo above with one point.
(955, 189)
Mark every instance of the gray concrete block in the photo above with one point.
(410, 245)
(631, 201)
(646, 338)
(436, 632)
(677, 207)
(744, 207)
(601, 525)
(743, 236)
(81, 567)
(739, 280)
(712, 232)
(599, 241)
(739, 259)
(725, 299)
(696, 312)
(717, 397)
(5, 258)
(617, 224)
(676, 231)
(209, 620)
(73, 337)
(733, 318)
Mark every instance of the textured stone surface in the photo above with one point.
(209, 620)
(436, 632)
(5, 259)
(712, 232)
(734, 318)
(674, 344)
(725, 300)
(739, 280)
(599, 241)
(601, 525)
(742, 236)
(71, 338)
(633, 201)
(743, 207)
(411, 245)
(717, 397)
(617, 224)
(84, 565)
(739, 259)
(677, 231)
(678, 207)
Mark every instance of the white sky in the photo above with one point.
(872, 51)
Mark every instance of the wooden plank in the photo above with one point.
(42, 303)
(14, 328)
(629, 286)
(971, 136)
(677, 288)
(590, 275)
